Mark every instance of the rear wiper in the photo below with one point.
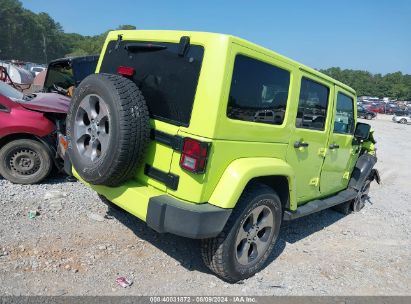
(143, 47)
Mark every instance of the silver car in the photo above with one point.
(403, 118)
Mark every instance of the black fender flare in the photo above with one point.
(363, 170)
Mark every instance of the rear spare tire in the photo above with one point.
(107, 129)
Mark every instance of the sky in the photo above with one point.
(363, 34)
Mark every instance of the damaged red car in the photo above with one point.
(29, 125)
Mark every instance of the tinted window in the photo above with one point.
(312, 107)
(167, 80)
(258, 92)
(344, 115)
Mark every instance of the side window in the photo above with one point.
(312, 107)
(258, 92)
(344, 115)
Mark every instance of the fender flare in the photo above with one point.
(242, 170)
(363, 169)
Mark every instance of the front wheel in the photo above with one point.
(25, 161)
(369, 116)
(362, 197)
(248, 238)
(403, 121)
(356, 204)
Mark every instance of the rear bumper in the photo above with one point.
(162, 212)
(196, 221)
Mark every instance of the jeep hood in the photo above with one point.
(46, 102)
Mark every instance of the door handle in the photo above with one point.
(334, 146)
(300, 144)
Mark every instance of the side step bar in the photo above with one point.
(320, 204)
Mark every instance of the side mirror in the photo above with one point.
(362, 131)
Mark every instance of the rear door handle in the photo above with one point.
(334, 146)
(299, 144)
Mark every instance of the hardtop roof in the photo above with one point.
(113, 35)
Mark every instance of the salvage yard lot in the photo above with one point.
(77, 246)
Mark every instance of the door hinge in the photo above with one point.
(346, 175)
(314, 181)
(322, 152)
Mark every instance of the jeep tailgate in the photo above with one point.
(167, 74)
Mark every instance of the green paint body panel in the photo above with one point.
(240, 150)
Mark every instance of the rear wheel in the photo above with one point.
(25, 161)
(403, 121)
(248, 238)
(369, 116)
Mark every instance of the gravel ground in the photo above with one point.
(76, 246)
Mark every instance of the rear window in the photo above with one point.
(167, 80)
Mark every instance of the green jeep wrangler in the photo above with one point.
(211, 137)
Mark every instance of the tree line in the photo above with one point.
(32, 37)
(394, 85)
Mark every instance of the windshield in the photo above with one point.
(9, 91)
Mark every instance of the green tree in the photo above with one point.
(27, 36)
(393, 85)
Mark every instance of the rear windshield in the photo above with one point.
(167, 80)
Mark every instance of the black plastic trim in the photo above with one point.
(174, 141)
(145, 47)
(183, 46)
(67, 165)
(169, 179)
(362, 170)
(320, 204)
(196, 221)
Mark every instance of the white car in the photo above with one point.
(402, 118)
(36, 70)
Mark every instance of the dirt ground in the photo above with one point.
(75, 246)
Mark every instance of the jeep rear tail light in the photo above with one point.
(194, 155)
(126, 71)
